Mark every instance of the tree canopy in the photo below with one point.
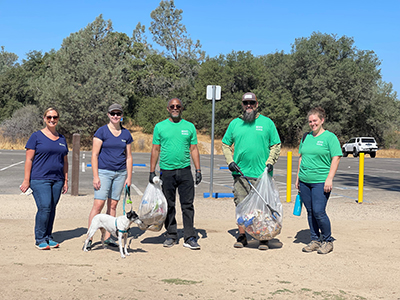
(97, 66)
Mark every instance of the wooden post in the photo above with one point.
(76, 141)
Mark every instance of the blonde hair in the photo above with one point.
(49, 109)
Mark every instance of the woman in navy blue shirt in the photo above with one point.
(46, 172)
(111, 165)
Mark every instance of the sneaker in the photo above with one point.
(110, 242)
(263, 245)
(241, 241)
(169, 242)
(53, 244)
(313, 246)
(191, 243)
(43, 246)
(325, 248)
(89, 245)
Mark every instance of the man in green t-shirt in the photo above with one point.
(256, 146)
(174, 140)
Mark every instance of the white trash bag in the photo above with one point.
(153, 207)
(253, 214)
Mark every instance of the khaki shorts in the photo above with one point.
(241, 188)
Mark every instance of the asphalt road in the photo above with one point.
(380, 174)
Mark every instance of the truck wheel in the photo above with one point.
(372, 154)
(355, 153)
(344, 152)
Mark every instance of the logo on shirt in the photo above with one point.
(61, 144)
(259, 128)
(122, 140)
(320, 143)
(185, 132)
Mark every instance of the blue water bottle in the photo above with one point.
(297, 205)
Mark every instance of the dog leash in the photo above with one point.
(127, 194)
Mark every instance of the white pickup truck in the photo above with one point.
(357, 145)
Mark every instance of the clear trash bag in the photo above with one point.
(153, 208)
(253, 214)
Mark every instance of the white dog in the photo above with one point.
(116, 226)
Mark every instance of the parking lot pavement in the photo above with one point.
(381, 174)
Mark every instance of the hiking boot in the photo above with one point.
(241, 241)
(53, 244)
(325, 248)
(110, 242)
(169, 242)
(263, 245)
(43, 246)
(191, 243)
(313, 246)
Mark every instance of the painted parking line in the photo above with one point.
(139, 192)
(10, 166)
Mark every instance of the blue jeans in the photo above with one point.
(46, 194)
(315, 201)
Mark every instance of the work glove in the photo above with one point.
(151, 177)
(233, 167)
(270, 168)
(198, 177)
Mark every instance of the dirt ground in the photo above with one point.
(365, 263)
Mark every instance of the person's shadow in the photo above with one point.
(253, 243)
(302, 236)
(64, 235)
(161, 238)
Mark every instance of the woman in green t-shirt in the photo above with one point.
(320, 154)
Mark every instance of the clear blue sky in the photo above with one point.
(259, 26)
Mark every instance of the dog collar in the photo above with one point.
(122, 231)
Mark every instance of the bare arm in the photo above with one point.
(195, 156)
(129, 162)
(95, 162)
(155, 152)
(297, 176)
(30, 154)
(332, 171)
(65, 171)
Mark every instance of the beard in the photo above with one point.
(249, 116)
(175, 117)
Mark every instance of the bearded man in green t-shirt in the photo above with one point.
(174, 140)
(256, 146)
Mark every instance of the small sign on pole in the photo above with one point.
(210, 93)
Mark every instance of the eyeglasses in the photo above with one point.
(52, 117)
(112, 114)
(175, 106)
(245, 103)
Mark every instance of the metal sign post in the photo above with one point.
(213, 93)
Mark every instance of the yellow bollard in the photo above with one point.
(289, 177)
(361, 178)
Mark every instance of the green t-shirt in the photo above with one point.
(252, 142)
(316, 156)
(174, 140)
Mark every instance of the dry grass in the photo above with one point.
(143, 143)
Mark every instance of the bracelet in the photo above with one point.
(198, 170)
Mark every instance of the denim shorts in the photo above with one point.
(111, 184)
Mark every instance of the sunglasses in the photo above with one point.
(175, 106)
(52, 117)
(112, 114)
(245, 103)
